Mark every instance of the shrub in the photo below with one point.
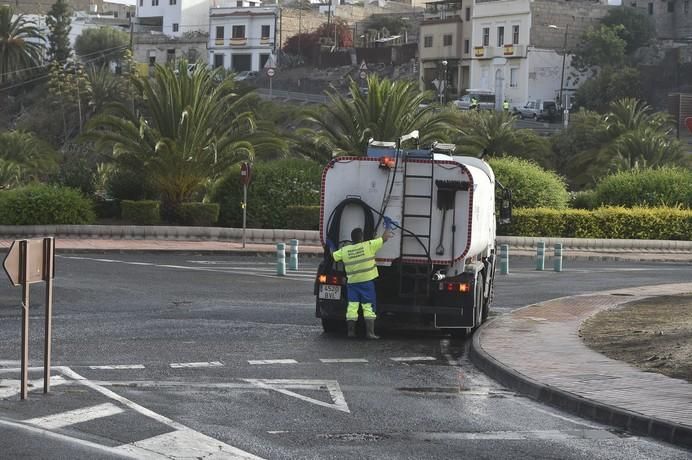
(145, 212)
(667, 186)
(45, 205)
(198, 214)
(275, 186)
(609, 222)
(124, 184)
(531, 185)
(585, 199)
(107, 209)
(303, 217)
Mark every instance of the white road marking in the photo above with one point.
(520, 435)
(344, 360)
(405, 359)
(284, 387)
(195, 365)
(84, 414)
(537, 407)
(119, 366)
(193, 439)
(11, 387)
(186, 444)
(272, 361)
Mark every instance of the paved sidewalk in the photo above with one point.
(537, 350)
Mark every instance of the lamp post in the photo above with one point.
(442, 90)
(565, 108)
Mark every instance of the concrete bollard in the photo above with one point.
(540, 255)
(293, 259)
(557, 260)
(504, 259)
(280, 259)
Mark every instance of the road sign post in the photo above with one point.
(270, 73)
(245, 173)
(27, 262)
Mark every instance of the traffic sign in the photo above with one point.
(270, 72)
(363, 74)
(35, 261)
(245, 173)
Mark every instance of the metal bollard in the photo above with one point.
(280, 259)
(557, 260)
(293, 259)
(540, 255)
(504, 259)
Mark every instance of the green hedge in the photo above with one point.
(607, 222)
(531, 185)
(198, 214)
(303, 218)
(646, 187)
(145, 212)
(276, 185)
(45, 205)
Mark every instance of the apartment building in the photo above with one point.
(444, 47)
(242, 35)
(171, 17)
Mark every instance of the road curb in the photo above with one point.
(629, 421)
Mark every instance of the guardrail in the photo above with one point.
(306, 237)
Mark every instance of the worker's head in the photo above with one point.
(357, 235)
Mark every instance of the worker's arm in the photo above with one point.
(337, 255)
(387, 235)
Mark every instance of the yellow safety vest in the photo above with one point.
(505, 105)
(359, 260)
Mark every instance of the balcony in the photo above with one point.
(219, 42)
(266, 41)
(242, 41)
(506, 51)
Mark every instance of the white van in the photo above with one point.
(485, 97)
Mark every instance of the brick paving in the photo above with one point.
(540, 344)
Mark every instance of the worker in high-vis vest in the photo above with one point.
(361, 271)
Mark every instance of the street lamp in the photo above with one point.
(565, 112)
(443, 88)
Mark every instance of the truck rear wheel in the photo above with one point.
(332, 325)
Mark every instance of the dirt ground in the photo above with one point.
(654, 335)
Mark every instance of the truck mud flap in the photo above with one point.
(463, 319)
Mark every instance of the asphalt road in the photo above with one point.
(204, 356)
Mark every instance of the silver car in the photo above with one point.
(537, 110)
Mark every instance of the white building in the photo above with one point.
(172, 17)
(242, 36)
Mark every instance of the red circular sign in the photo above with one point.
(270, 72)
(245, 173)
(688, 122)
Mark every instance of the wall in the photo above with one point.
(579, 15)
(43, 6)
(159, 45)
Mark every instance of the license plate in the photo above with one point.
(330, 292)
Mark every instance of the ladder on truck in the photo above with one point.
(414, 279)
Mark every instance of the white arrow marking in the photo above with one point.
(283, 386)
(413, 358)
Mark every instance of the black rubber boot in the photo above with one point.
(351, 328)
(370, 329)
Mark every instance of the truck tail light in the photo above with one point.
(455, 287)
(387, 162)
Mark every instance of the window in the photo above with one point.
(170, 56)
(633, 4)
(500, 36)
(686, 6)
(218, 60)
(513, 77)
(651, 8)
(486, 36)
(467, 47)
(427, 41)
(141, 2)
(238, 32)
(468, 14)
(175, 27)
(515, 35)
(671, 7)
(447, 40)
(219, 32)
(265, 31)
(239, 3)
(152, 60)
(154, 2)
(172, 2)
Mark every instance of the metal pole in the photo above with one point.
(270, 87)
(540, 255)
(24, 270)
(245, 210)
(293, 260)
(504, 259)
(280, 259)
(562, 77)
(48, 258)
(557, 261)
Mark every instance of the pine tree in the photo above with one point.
(59, 21)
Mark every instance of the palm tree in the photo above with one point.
(192, 129)
(21, 46)
(34, 158)
(389, 110)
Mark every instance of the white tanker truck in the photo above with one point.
(438, 269)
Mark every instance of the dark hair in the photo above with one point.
(357, 235)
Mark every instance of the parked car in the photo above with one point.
(486, 99)
(538, 110)
(246, 75)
